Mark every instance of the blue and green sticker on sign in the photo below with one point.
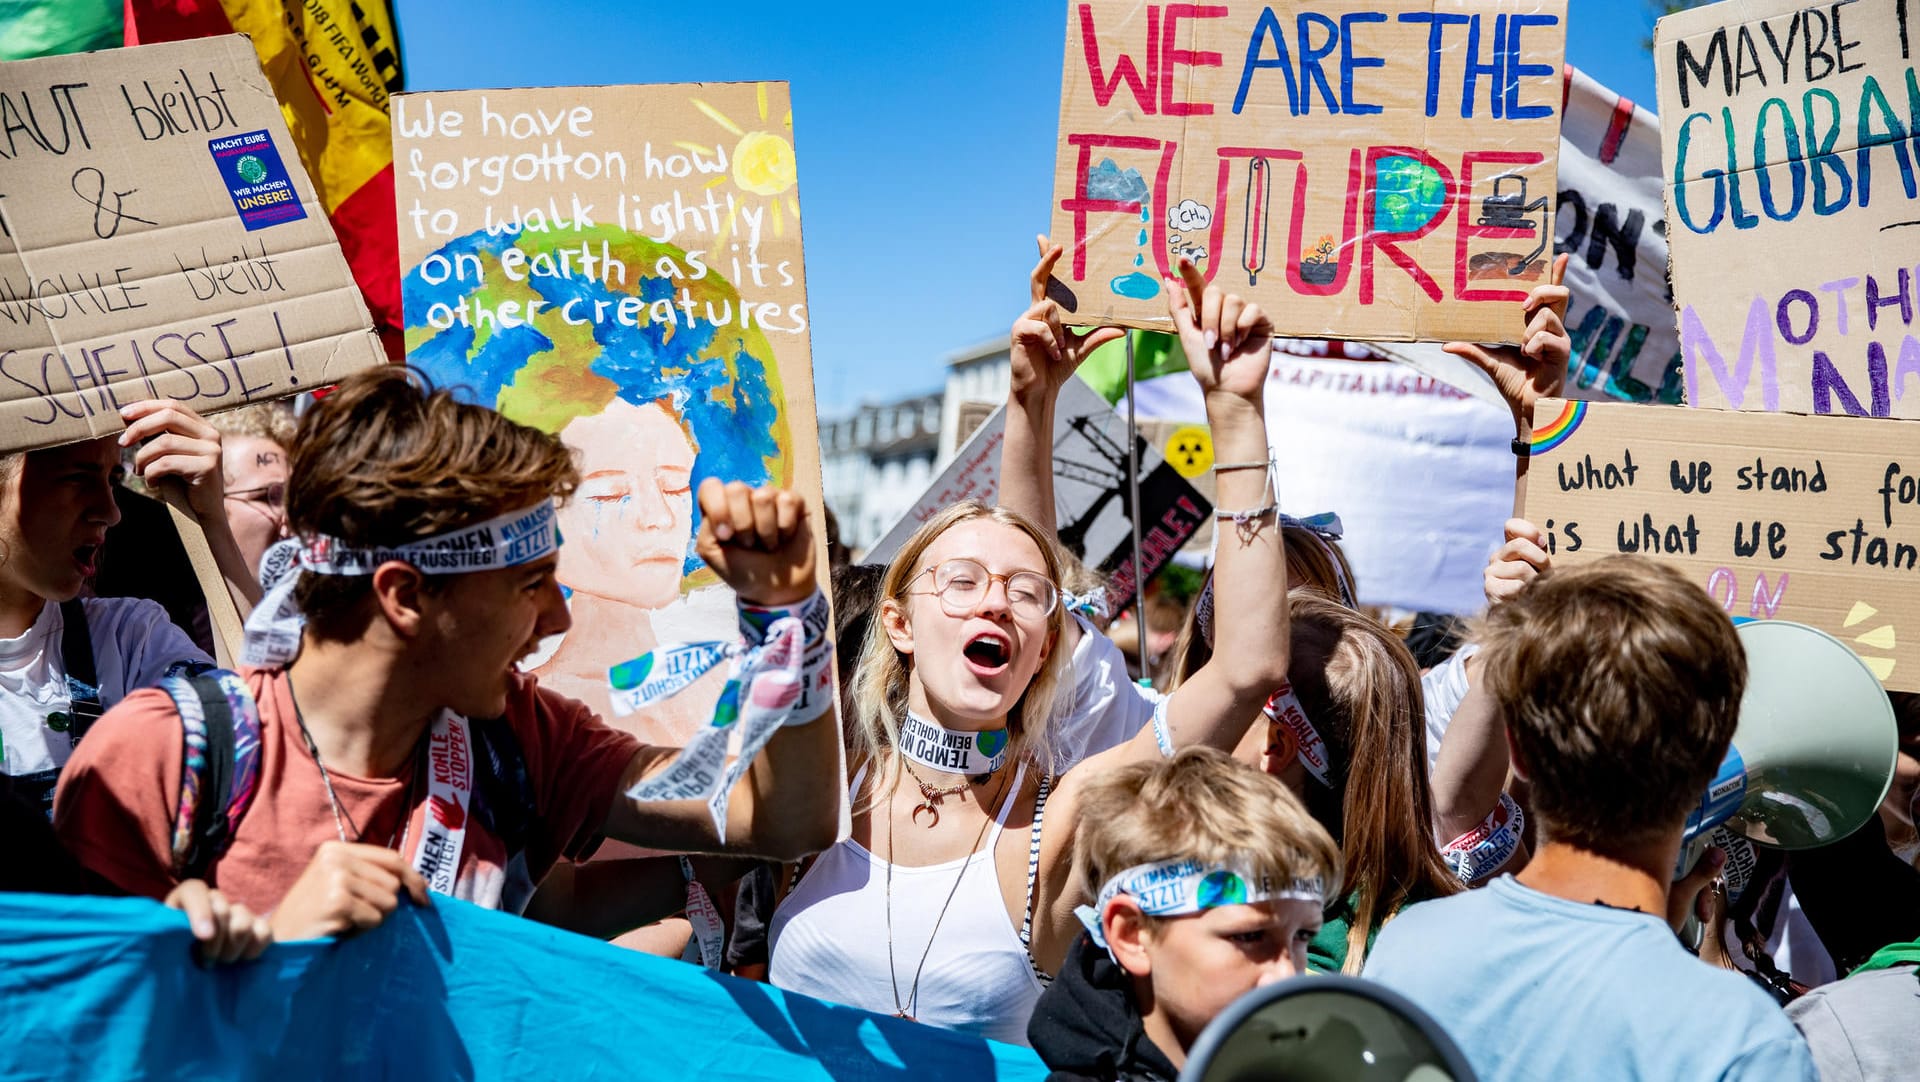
(255, 176)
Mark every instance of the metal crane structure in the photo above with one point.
(1107, 477)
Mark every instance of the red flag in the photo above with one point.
(333, 64)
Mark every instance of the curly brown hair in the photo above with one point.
(385, 459)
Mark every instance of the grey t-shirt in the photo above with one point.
(1865, 1028)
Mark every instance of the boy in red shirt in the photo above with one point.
(426, 573)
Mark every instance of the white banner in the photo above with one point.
(1420, 473)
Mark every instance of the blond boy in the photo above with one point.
(1211, 880)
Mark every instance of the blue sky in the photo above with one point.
(925, 135)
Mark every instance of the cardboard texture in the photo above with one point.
(159, 240)
(620, 266)
(1091, 494)
(1380, 171)
(1792, 207)
(1811, 519)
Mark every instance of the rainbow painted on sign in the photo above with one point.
(1548, 436)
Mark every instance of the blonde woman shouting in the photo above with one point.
(955, 895)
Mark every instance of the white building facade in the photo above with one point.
(877, 462)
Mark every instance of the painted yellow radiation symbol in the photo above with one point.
(1190, 449)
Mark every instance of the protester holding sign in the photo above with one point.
(424, 572)
(1354, 732)
(253, 458)
(955, 706)
(64, 660)
(1480, 827)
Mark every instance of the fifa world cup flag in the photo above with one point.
(333, 64)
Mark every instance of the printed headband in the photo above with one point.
(1283, 710)
(1326, 528)
(273, 631)
(1178, 888)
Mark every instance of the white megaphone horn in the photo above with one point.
(1815, 749)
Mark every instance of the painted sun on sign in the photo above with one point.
(763, 164)
(658, 328)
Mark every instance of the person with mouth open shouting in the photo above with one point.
(64, 660)
(950, 904)
(400, 749)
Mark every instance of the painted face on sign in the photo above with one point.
(628, 526)
(968, 670)
(55, 507)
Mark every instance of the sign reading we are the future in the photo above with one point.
(1793, 208)
(1378, 171)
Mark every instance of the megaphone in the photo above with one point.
(1324, 1027)
(1815, 749)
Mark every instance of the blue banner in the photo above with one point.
(106, 988)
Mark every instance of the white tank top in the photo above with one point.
(828, 939)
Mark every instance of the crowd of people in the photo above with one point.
(1041, 850)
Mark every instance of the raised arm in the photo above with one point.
(1536, 370)
(788, 804)
(1470, 774)
(1044, 355)
(1229, 346)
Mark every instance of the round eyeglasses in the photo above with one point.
(962, 585)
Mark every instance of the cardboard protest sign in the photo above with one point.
(159, 239)
(1091, 494)
(1609, 218)
(620, 266)
(1792, 203)
(1812, 519)
(1381, 171)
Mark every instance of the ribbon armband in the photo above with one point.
(782, 676)
(1484, 850)
(708, 931)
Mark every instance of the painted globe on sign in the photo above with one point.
(641, 323)
(1407, 194)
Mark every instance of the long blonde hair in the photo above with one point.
(880, 684)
